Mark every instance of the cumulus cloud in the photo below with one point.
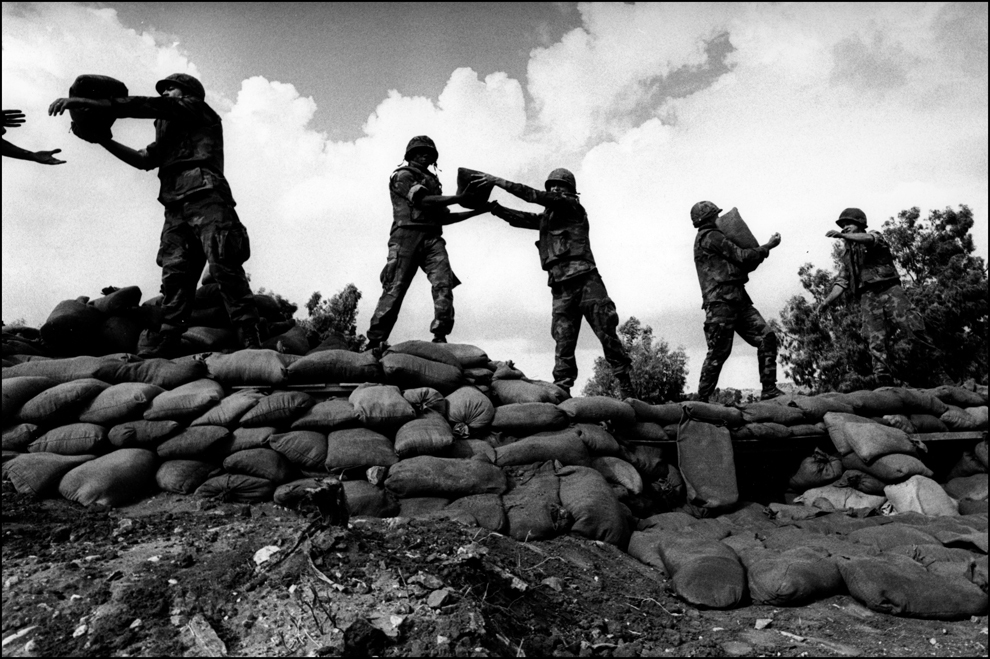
(817, 107)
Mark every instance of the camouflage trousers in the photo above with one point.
(722, 321)
(584, 296)
(198, 232)
(408, 251)
(882, 310)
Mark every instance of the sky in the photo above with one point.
(788, 112)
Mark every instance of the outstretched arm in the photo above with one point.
(440, 201)
(747, 258)
(139, 159)
(518, 219)
(858, 237)
(41, 157)
(454, 218)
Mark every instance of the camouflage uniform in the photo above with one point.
(415, 242)
(201, 225)
(723, 270)
(576, 285)
(869, 275)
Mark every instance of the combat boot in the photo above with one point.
(771, 391)
(248, 338)
(626, 389)
(161, 345)
(439, 338)
(376, 347)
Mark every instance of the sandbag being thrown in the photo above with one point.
(427, 475)
(89, 125)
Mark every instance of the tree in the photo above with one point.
(658, 373)
(336, 317)
(945, 282)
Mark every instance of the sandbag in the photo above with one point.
(427, 475)
(208, 339)
(957, 396)
(468, 356)
(481, 377)
(260, 462)
(305, 449)
(469, 449)
(381, 407)
(426, 398)
(486, 511)
(423, 507)
(772, 413)
(918, 401)
(183, 476)
(808, 430)
(736, 230)
(665, 414)
(62, 403)
(706, 461)
(427, 350)
(514, 392)
(816, 470)
(248, 367)
(186, 402)
(619, 472)
(120, 402)
(71, 439)
(598, 440)
(532, 504)
(194, 443)
(246, 438)
(838, 424)
(367, 500)
(839, 498)
(408, 371)
(553, 393)
(164, 373)
(67, 370)
(335, 366)
(89, 125)
(280, 407)
(40, 473)
(892, 468)
(294, 341)
(900, 422)
(648, 460)
(427, 435)
(228, 411)
(968, 464)
(971, 507)
(528, 418)
(959, 420)
(878, 402)
(791, 578)
(469, 411)
(115, 479)
(861, 481)
(72, 328)
(899, 586)
(921, 495)
(643, 431)
(19, 390)
(237, 488)
(927, 423)
(563, 445)
(596, 511)
(595, 409)
(291, 494)
(17, 438)
(358, 447)
(816, 407)
(507, 371)
(968, 487)
(477, 199)
(117, 300)
(980, 414)
(328, 415)
(141, 433)
(704, 573)
(888, 536)
(762, 431)
(714, 414)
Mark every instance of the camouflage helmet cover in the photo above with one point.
(854, 215)
(421, 142)
(561, 175)
(185, 81)
(703, 210)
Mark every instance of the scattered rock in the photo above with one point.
(438, 598)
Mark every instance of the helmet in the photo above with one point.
(704, 210)
(853, 215)
(561, 175)
(188, 84)
(421, 142)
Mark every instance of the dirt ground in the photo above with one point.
(178, 576)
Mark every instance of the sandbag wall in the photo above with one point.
(118, 322)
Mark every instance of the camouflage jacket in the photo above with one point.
(407, 187)
(564, 244)
(723, 267)
(867, 266)
(188, 146)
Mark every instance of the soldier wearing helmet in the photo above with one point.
(868, 274)
(419, 213)
(201, 225)
(577, 287)
(723, 270)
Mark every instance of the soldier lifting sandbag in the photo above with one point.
(201, 226)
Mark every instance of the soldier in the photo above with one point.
(869, 275)
(201, 225)
(573, 277)
(14, 119)
(419, 213)
(723, 270)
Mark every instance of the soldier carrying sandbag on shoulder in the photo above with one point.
(572, 274)
(869, 275)
(723, 270)
(419, 213)
(201, 225)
